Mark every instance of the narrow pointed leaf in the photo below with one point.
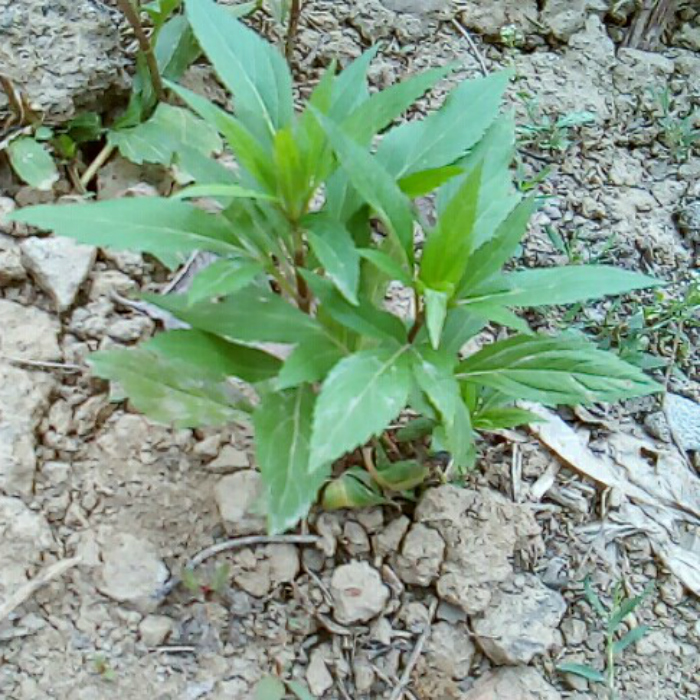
(386, 264)
(282, 438)
(632, 637)
(223, 277)
(362, 394)
(424, 182)
(350, 88)
(503, 418)
(583, 671)
(252, 69)
(460, 327)
(493, 313)
(214, 356)
(554, 371)
(435, 314)
(148, 224)
(169, 391)
(219, 191)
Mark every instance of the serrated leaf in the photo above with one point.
(146, 224)
(254, 314)
(215, 356)
(424, 182)
(32, 163)
(355, 488)
(448, 133)
(169, 391)
(554, 371)
(492, 255)
(270, 688)
(159, 139)
(335, 249)
(449, 245)
(222, 278)
(282, 436)
(557, 285)
(362, 394)
(435, 314)
(632, 637)
(583, 671)
(252, 69)
(373, 184)
(249, 153)
(309, 362)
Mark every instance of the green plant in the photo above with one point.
(272, 688)
(103, 668)
(310, 232)
(611, 617)
(546, 132)
(215, 584)
(679, 133)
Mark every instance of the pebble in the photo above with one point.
(358, 593)
(155, 629)
(238, 498)
(512, 684)
(421, 557)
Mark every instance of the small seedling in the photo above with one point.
(679, 133)
(102, 668)
(611, 618)
(272, 688)
(213, 586)
(550, 133)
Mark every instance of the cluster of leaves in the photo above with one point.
(611, 617)
(313, 227)
(678, 132)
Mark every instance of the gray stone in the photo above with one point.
(11, 268)
(490, 16)
(318, 676)
(563, 18)
(389, 539)
(24, 536)
(229, 460)
(512, 684)
(7, 206)
(419, 7)
(521, 621)
(358, 593)
(59, 266)
(238, 497)
(132, 571)
(683, 416)
(27, 333)
(24, 398)
(574, 631)
(450, 650)
(155, 629)
(421, 556)
(34, 38)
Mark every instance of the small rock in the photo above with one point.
(575, 682)
(520, 622)
(450, 650)
(419, 7)
(28, 333)
(363, 673)
(11, 268)
(358, 593)
(59, 266)
(657, 642)
(131, 571)
(389, 539)
(512, 684)
(318, 676)
(7, 206)
(229, 460)
(238, 497)
(421, 556)
(683, 416)
(283, 562)
(574, 631)
(355, 539)
(155, 629)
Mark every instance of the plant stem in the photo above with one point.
(134, 20)
(610, 667)
(102, 157)
(292, 28)
(420, 318)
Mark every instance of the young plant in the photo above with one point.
(679, 133)
(272, 688)
(611, 617)
(310, 231)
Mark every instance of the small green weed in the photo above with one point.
(216, 584)
(611, 618)
(679, 133)
(102, 668)
(272, 688)
(550, 133)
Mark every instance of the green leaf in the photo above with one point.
(292, 185)
(270, 688)
(350, 88)
(404, 475)
(424, 182)
(355, 488)
(558, 285)
(417, 429)
(593, 599)
(554, 371)
(223, 277)
(176, 49)
(282, 436)
(254, 314)
(309, 362)
(160, 138)
(447, 134)
(583, 671)
(85, 127)
(435, 314)
(32, 163)
(374, 184)
(460, 326)
(363, 318)
(448, 247)
(146, 224)
(168, 391)
(248, 151)
(335, 249)
(299, 690)
(493, 313)
(221, 191)
(193, 165)
(632, 637)
(215, 356)
(386, 264)
(492, 255)
(628, 606)
(362, 394)
(252, 69)
(503, 418)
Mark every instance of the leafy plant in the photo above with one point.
(310, 232)
(215, 584)
(612, 618)
(679, 133)
(102, 668)
(550, 133)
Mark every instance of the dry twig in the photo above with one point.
(472, 45)
(38, 364)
